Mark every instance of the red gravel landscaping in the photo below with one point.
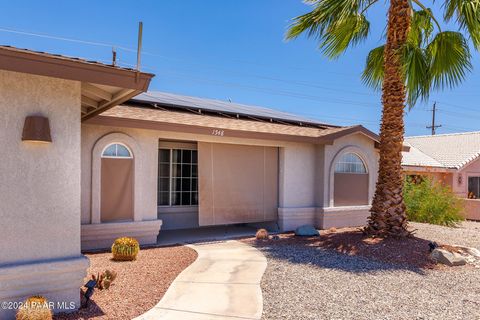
(412, 251)
(139, 284)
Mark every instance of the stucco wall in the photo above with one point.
(40, 193)
(40, 182)
(297, 174)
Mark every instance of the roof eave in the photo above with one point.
(71, 69)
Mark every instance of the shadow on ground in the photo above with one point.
(91, 311)
(350, 251)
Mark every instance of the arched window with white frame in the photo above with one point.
(351, 181)
(350, 163)
(117, 150)
(117, 182)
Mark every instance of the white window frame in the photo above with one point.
(116, 151)
(350, 172)
(171, 148)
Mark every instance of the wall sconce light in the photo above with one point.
(36, 128)
(460, 179)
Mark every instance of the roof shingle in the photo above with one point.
(444, 150)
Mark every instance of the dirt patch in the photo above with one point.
(139, 285)
(412, 251)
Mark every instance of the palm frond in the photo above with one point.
(336, 24)
(450, 59)
(344, 33)
(415, 61)
(421, 27)
(467, 14)
(374, 70)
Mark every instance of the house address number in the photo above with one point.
(217, 132)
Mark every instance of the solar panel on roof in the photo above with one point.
(219, 106)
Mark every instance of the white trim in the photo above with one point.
(131, 144)
(116, 148)
(359, 157)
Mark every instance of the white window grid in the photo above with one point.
(193, 179)
(350, 163)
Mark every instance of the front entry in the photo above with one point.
(116, 184)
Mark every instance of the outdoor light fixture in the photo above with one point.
(460, 179)
(37, 129)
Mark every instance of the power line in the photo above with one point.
(48, 36)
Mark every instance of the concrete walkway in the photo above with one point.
(223, 283)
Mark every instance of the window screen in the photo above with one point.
(177, 177)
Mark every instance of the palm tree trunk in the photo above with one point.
(388, 216)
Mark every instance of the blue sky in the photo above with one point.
(231, 50)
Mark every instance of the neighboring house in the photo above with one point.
(76, 175)
(453, 159)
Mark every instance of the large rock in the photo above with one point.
(306, 231)
(448, 258)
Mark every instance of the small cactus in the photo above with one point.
(262, 234)
(34, 308)
(125, 249)
(104, 279)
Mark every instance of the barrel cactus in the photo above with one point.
(34, 308)
(125, 249)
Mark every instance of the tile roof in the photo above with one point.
(231, 108)
(444, 150)
(217, 122)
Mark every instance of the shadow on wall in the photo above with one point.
(351, 251)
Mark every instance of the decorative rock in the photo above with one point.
(448, 258)
(306, 231)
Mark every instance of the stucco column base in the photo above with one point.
(57, 280)
(291, 218)
(101, 235)
(340, 217)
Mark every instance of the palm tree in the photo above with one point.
(418, 57)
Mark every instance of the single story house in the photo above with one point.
(89, 155)
(452, 159)
(191, 162)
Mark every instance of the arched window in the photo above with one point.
(350, 163)
(116, 150)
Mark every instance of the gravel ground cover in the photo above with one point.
(139, 285)
(325, 280)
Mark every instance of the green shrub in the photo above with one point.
(431, 202)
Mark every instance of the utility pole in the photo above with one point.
(433, 126)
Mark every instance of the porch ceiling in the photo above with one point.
(97, 98)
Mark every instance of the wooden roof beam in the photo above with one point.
(95, 92)
(89, 102)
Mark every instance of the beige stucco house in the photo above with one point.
(190, 162)
(87, 159)
(452, 159)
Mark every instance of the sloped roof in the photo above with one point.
(231, 108)
(452, 151)
(214, 122)
(171, 112)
